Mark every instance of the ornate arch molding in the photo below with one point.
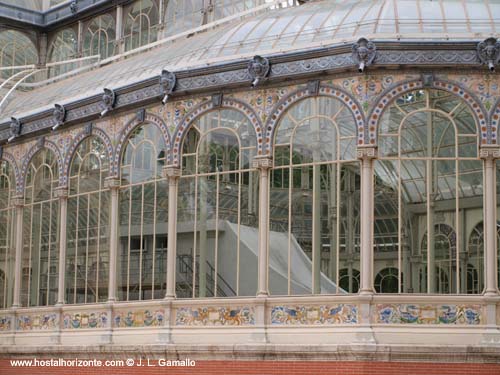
(80, 137)
(149, 118)
(32, 152)
(392, 93)
(324, 90)
(12, 161)
(495, 122)
(206, 107)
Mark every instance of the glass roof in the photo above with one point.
(36, 5)
(314, 24)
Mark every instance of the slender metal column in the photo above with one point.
(62, 194)
(489, 154)
(366, 155)
(18, 203)
(173, 174)
(264, 164)
(119, 29)
(113, 184)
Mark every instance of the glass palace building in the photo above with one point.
(225, 178)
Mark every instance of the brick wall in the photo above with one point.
(271, 368)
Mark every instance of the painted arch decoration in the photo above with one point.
(323, 90)
(137, 121)
(96, 132)
(392, 93)
(207, 106)
(32, 152)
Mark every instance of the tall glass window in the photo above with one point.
(16, 49)
(64, 46)
(40, 231)
(182, 15)
(7, 250)
(428, 195)
(141, 24)
(143, 216)
(87, 249)
(99, 37)
(315, 201)
(217, 232)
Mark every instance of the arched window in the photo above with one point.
(141, 24)
(16, 49)
(99, 37)
(7, 250)
(217, 233)
(64, 46)
(349, 280)
(40, 231)
(182, 15)
(143, 216)
(430, 171)
(87, 248)
(386, 281)
(314, 198)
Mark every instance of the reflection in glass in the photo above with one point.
(429, 194)
(143, 216)
(40, 231)
(87, 248)
(217, 235)
(314, 201)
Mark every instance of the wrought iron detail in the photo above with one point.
(109, 100)
(73, 6)
(427, 79)
(259, 69)
(15, 129)
(216, 100)
(59, 115)
(40, 142)
(88, 129)
(1, 152)
(363, 53)
(141, 115)
(488, 52)
(167, 84)
(313, 87)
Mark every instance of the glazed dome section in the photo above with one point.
(327, 22)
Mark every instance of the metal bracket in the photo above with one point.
(109, 100)
(88, 129)
(59, 115)
(488, 52)
(363, 53)
(259, 69)
(217, 100)
(15, 129)
(168, 81)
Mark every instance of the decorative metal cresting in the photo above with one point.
(73, 6)
(109, 100)
(59, 115)
(15, 129)
(258, 68)
(363, 53)
(488, 52)
(167, 84)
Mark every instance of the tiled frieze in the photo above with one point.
(5, 323)
(428, 314)
(314, 315)
(48, 321)
(78, 320)
(151, 317)
(215, 316)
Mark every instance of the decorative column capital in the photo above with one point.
(262, 162)
(366, 152)
(112, 183)
(172, 172)
(61, 192)
(17, 201)
(489, 152)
